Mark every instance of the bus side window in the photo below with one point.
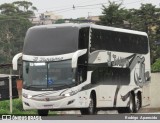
(82, 68)
(82, 73)
(95, 76)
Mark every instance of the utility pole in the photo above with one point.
(89, 15)
(10, 92)
(73, 7)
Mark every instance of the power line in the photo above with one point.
(82, 7)
(65, 11)
(77, 7)
(89, 5)
(92, 5)
(74, 7)
(71, 6)
(86, 1)
(60, 7)
(68, 6)
(89, 8)
(133, 2)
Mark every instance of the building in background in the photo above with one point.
(35, 20)
(45, 18)
(49, 18)
(93, 18)
(90, 19)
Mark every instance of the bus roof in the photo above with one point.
(61, 25)
(91, 26)
(118, 29)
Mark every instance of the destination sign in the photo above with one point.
(43, 59)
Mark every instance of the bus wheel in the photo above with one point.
(43, 112)
(92, 107)
(131, 107)
(137, 103)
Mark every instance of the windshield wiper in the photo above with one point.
(54, 86)
(32, 86)
(57, 85)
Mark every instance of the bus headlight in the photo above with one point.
(26, 96)
(70, 93)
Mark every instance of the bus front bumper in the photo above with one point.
(71, 102)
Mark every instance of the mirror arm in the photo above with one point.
(76, 55)
(15, 61)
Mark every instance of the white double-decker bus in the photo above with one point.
(86, 67)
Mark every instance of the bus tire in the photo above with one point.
(92, 107)
(43, 112)
(131, 106)
(138, 102)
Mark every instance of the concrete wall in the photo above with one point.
(155, 90)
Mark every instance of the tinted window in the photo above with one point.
(83, 38)
(118, 41)
(111, 76)
(83, 60)
(51, 41)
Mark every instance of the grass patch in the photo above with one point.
(17, 108)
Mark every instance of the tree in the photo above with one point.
(25, 8)
(14, 23)
(59, 21)
(12, 32)
(156, 66)
(147, 19)
(8, 9)
(19, 8)
(113, 15)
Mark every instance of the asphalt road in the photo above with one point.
(104, 115)
(142, 110)
(110, 116)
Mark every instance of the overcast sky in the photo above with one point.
(83, 8)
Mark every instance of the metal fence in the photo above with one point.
(4, 87)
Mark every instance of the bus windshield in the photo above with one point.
(48, 75)
(51, 41)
